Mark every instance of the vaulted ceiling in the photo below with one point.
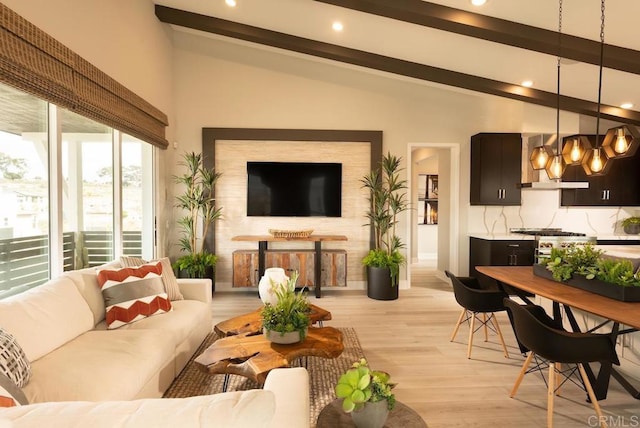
(489, 49)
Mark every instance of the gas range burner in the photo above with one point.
(545, 232)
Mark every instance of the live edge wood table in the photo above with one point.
(618, 312)
(263, 241)
(245, 351)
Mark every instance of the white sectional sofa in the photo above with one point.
(60, 326)
(86, 375)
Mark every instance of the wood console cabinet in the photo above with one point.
(333, 266)
(496, 161)
(245, 268)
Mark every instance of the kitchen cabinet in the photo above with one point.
(503, 252)
(620, 187)
(496, 169)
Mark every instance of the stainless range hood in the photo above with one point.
(538, 179)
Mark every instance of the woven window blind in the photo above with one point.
(35, 62)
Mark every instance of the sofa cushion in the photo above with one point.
(131, 294)
(13, 362)
(168, 277)
(241, 409)
(46, 317)
(10, 394)
(101, 365)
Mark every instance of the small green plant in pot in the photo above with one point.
(366, 394)
(631, 225)
(387, 199)
(200, 209)
(286, 321)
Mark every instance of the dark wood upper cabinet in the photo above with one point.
(619, 187)
(496, 162)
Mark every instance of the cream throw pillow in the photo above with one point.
(168, 278)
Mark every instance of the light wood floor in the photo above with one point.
(409, 338)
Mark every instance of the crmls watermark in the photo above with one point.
(615, 421)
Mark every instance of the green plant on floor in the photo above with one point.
(589, 262)
(200, 214)
(290, 312)
(360, 385)
(387, 199)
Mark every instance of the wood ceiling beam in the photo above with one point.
(388, 64)
(497, 30)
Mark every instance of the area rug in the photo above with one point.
(323, 375)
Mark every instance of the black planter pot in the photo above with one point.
(379, 284)
(209, 272)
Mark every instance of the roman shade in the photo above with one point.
(35, 62)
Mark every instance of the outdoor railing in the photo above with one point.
(24, 262)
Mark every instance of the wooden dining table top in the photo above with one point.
(523, 278)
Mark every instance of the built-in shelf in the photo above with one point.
(427, 199)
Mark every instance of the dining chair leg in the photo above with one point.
(592, 396)
(494, 320)
(558, 378)
(486, 330)
(551, 393)
(523, 371)
(471, 328)
(455, 329)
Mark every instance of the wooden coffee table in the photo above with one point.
(253, 356)
(251, 323)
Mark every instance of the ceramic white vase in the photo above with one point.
(284, 338)
(271, 277)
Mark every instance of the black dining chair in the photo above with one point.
(546, 338)
(478, 304)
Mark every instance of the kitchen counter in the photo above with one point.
(503, 237)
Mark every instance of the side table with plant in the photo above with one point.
(286, 321)
(366, 395)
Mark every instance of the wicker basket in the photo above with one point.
(290, 233)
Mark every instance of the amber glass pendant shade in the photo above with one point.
(540, 157)
(555, 167)
(596, 162)
(621, 142)
(574, 148)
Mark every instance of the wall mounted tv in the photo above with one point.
(294, 189)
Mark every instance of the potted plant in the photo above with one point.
(200, 213)
(366, 395)
(387, 199)
(631, 225)
(590, 269)
(287, 320)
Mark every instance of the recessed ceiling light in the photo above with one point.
(337, 26)
(527, 83)
(230, 3)
(478, 2)
(626, 105)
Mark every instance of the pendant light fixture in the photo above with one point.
(595, 161)
(556, 165)
(621, 142)
(574, 149)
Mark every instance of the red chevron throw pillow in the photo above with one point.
(131, 294)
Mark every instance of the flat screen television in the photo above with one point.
(294, 189)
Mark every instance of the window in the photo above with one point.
(103, 215)
(24, 211)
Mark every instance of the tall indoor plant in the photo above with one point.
(198, 202)
(387, 199)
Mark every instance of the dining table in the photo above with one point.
(623, 317)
